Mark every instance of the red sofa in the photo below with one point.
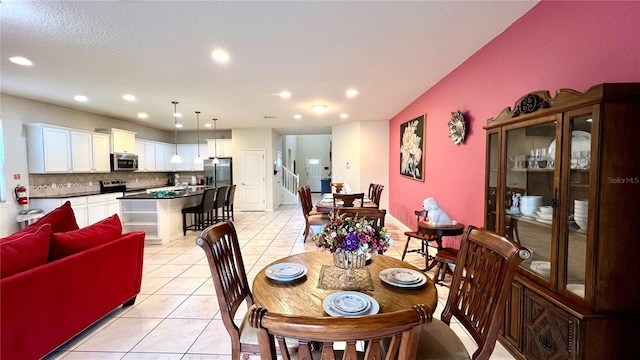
(86, 274)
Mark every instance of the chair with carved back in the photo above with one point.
(421, 215)
(372, 190)
(371, 214)
(220, 244)
(485, 267)
(347, 200)
(310, 218)
(377, 195)
(401, 326)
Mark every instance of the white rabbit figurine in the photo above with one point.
(435, 214)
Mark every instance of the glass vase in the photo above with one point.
(349, 261)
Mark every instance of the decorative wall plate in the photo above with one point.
(457, 127)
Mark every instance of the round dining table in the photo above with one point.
(304, 297)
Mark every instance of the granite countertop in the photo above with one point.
(150, 196)
(64, 196)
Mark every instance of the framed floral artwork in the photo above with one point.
(412, 148)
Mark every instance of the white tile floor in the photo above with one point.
(176, 314)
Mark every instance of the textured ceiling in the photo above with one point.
(391, 52)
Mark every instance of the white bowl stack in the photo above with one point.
(580, 213)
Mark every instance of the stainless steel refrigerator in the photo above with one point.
(220, 174)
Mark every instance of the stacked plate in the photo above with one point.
(286, 271)
(580, 213)
(350, 303)
(544, 214)
(402, 277)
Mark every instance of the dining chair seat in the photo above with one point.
(444, 257)
(438, 341)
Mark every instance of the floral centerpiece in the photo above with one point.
(350, 239)
(352, 234)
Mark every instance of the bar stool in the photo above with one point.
(199, 211)
(228, 204)
(221, 198)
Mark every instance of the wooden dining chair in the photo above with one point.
(401, 326)
(310, 218)
(347, 199)
(220, 244)
(424, 238)
(377, 215)
(372, 190)
(377, 195)
(485, 267)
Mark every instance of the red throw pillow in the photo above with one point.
(24, 250)
(67, 243)
(62, 219)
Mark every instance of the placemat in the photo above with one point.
(330, 279)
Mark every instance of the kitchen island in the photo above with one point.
(159, 217)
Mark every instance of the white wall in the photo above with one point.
(15, 153)
(365, 146)
(276, 140)
(346, 148)
(312, 147)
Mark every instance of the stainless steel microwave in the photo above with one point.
(124, 162)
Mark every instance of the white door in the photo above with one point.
(314, 173)
(252, 180)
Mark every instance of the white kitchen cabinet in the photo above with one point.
(219, 147)
(169, 150)
(150, 155)
(55, 149)
(78, 204)
(81, 152)
(101, 155)
(123, 141)
(160, 150)
(142, 155)
(102, 206)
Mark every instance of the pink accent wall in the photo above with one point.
(555, 45)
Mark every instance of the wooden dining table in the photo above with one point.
(325, 204)
(304, 297)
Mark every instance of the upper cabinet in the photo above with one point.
(54, 149)
(123, 141)
(154, 156)
(561, 180)
(188, 154)
(219, 147)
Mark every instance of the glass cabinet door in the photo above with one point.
(492, 182)
(530, 196)
(578, 123)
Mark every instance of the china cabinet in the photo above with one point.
(562, 180)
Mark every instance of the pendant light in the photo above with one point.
(175, 158)
(198, 159)
(215, 161)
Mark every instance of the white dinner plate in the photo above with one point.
(386, 276)
(327, 304)
(286, 271)
(351, 303)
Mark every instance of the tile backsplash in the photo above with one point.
(68, 184)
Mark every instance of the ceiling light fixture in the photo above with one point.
(208, 125)
(319, 109)
(215, 161)
(297, 116)
(80, 98)
(19, 60)
(220, 56)
(285, 94)
(344, 116)
(198, 159)
(143, 115)
(351, 93)
(175, 158)
(129, 97)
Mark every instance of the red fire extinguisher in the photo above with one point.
(21, 195)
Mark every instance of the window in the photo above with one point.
(3, 185)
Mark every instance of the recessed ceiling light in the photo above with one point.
(285, 94)
(177, 114)
(220, 56)
(129, 97)
(352, 92)
(80, 98)
(319, 109)
(143, 115)
(178, 126)
(21, 61)
(344, 116)
(207, 125)
(297, 116)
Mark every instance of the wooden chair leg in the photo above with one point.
(406, 247)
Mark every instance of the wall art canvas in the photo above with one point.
(412, 148)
